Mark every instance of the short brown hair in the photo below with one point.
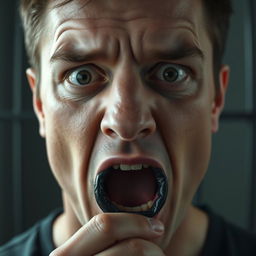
(217, 12)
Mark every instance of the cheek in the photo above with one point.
(196, 156)
(187, 133)
(70, 134)
(197, 152)
(58, 149)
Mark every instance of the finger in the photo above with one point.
(133, 247)
(106, 229)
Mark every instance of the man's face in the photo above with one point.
(127, 83)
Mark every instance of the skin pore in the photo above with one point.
(128, 109)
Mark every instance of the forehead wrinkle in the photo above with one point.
(89, 23)
(136, 44)
(86, 23)
(68, 29)
(166, 40)
(125, 22)
(86, 48)
(71, 25)
(86, 17)
(95, 10)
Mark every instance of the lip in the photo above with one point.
(105, 167)
(129, 161)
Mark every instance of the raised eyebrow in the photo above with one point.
(74, 56)
(179, 53)
(77, 56)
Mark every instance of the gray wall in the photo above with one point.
(229, 186)
(27, 188)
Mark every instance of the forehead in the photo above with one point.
(120, 8)
(167, 11)
(105, 24)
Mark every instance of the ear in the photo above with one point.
(219, 100)
(37, 103)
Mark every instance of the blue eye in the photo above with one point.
(170, 73)
(81, 77)
(85, 75)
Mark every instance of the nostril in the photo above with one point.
(145, 132)
(127, 129)
(109, 132)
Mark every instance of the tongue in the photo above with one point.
(131, 188)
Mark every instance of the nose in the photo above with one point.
(128, 114)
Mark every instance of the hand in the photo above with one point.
(114, 234)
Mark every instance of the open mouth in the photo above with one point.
(140, 189)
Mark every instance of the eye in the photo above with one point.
(85, 75)
(170, 73)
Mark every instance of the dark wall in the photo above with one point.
(27, 188)
(230, 185)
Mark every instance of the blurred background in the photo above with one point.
(28, 191)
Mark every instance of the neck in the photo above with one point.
(190, 236)
(66, 224)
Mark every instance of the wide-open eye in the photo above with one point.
(170, 73)
(85, 75)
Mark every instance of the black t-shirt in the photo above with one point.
(37, 241)
(223, 238)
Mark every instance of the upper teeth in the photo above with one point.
(126, 167)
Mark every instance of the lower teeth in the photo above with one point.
(140, 208)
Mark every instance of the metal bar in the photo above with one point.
(16, 131)
(253, 173)
(248, 53)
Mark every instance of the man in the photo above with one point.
(127, 95)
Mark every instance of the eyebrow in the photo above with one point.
(179, 53)
(80, 56)
(75, 56)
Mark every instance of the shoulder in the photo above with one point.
(225, 238)
(36, 241)
(22, 243)
(239, 239)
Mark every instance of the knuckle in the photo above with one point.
(102, 223)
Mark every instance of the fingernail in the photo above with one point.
(156, 225)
